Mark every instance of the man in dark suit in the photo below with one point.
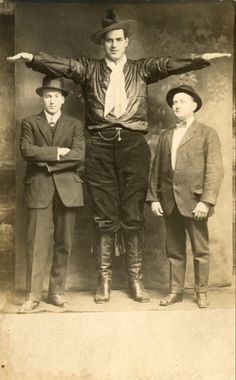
(52, 144)
(184, 183)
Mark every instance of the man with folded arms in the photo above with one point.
(52, 144)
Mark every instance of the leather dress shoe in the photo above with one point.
(202, 300)
(28, 306)
(171, 298)
(57, 300)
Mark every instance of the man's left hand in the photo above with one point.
(210, 56)
(201, 211)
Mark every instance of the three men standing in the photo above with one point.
(117, 155)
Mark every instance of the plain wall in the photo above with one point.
(163, 30)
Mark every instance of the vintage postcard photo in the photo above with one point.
(117, 217)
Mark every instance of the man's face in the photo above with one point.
(183, 105)
(52, 100)
(114, 44)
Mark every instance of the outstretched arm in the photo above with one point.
(54, 65)
(154, 69)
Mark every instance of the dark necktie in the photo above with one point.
(52, 127)
(181, 124)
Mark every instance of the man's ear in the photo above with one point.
(126, 41)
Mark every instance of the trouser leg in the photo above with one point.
(133, 162)
(198, 233)
(39, 234)
(64, 226)
(102, 183)
(176, 250)
(103, 189)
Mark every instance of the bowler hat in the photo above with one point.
(111, 21)
(53, 84)
(187, 90)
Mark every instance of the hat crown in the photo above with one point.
(185, 87)
(109, 18)
(56, 83)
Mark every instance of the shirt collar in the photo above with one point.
(54, 117)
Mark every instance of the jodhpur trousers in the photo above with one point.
(117, 168)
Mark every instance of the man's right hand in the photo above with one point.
(63, 151)
(157, 209)
(24, 57)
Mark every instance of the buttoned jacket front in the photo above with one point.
(44, 173)
(198, 170)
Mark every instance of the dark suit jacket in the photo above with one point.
(198, 170)
(44, 173)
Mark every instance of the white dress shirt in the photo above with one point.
(178, 135)
(52, 118)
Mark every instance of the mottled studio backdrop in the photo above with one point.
(163, 29)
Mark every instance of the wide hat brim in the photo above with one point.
(170, 95)
(39, 90)
(128, 25)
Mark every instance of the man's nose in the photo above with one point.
(114, 43)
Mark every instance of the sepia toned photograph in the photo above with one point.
(117, 201)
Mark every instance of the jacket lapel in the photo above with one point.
(170, 137)
(44, 128)
(189, 134)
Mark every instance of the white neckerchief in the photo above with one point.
(177, 138)
(116, 97)
(52, 118)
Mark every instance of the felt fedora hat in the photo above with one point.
(187, 90)
(52, 84)
(111, 21)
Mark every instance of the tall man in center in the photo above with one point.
(117, 154)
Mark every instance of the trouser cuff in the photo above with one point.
(33, 297)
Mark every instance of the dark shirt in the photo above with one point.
(94, 76)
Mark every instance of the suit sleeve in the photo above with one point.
(75, 158)
(213, 168)
(31, 152)
(54, 65)
(154, 177)
(154, 69)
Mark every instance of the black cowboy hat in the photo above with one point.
(111, 21)
(53, 84)
(187, 90)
